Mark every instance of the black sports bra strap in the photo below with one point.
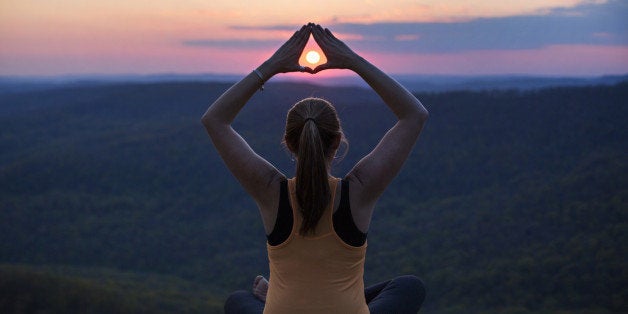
(344, 225)
(343, 222)
(283, 222)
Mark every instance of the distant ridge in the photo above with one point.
(416, 83)
(445, 83)
(501, 82)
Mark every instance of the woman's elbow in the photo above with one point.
(420, 115)
(205, 121)
(423, 114)
(213, 123)
(208, 121)
(208, 118)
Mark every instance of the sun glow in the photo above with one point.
(312, 57)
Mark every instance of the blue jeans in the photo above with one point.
(401, 295)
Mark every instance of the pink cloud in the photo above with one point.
(407, 37)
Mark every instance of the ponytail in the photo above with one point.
(312, 133)
(312, 185)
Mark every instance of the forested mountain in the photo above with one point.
(511, 202)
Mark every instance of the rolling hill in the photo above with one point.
(511, 202)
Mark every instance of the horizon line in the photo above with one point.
(285, 76)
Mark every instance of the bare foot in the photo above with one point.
(260, 287)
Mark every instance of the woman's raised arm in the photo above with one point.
(258, 177)
(376, 170)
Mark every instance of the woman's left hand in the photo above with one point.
(286, 58)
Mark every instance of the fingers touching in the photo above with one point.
(287, 56)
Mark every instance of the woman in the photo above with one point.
(316, 224)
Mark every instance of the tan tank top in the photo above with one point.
(315, 274)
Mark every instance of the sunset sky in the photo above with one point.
(459, 37)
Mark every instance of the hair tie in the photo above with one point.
(307, 119)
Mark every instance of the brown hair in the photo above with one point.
(313, 134)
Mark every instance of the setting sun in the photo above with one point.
(312, 57)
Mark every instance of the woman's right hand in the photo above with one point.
(338, 54)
